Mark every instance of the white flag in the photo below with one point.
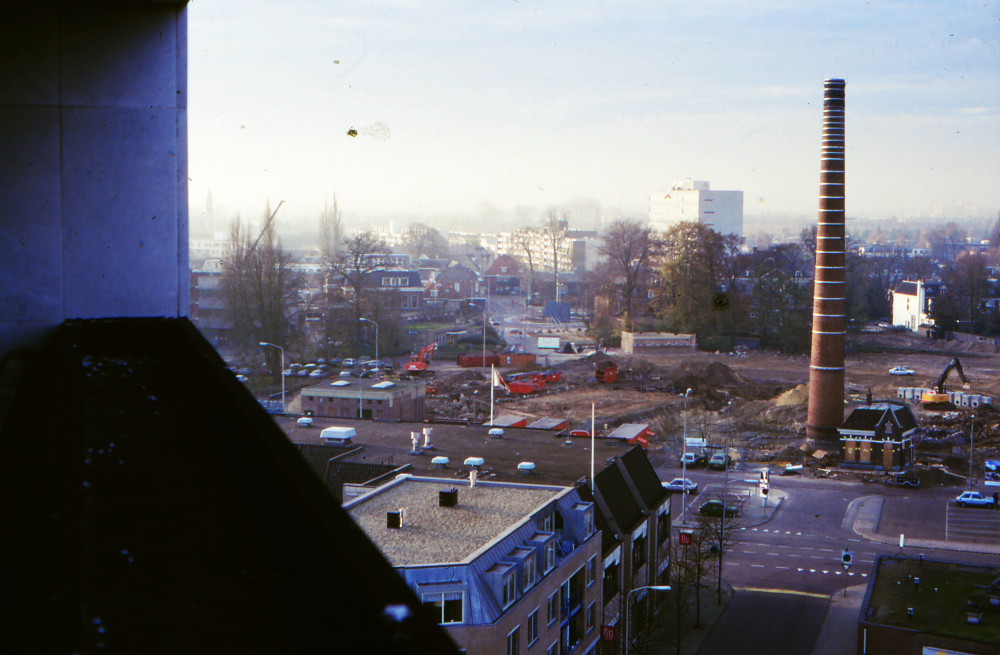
(498, 380)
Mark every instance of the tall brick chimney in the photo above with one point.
(826, 370)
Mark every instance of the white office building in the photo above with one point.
(693, 200)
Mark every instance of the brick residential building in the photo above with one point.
(505, 568)
(385, 400)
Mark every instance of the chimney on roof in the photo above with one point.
(394, 520)
(448, 498)
(826, 370)
(869, 398)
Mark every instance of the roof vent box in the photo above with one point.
(394, 520)
(448, 498)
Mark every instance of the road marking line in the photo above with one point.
(783, 567)
(850, 574)
(837, 572)
(750, 552)
(765, 529)
(855, 540)
(801, 569)
(782, 591)
(825, 572)
(812, 570)
(774, 554)
(798, 534)
(788, 532)
(757, 566)
(864, 575)
(806, 548)
(816, 557)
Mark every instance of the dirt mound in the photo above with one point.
(699, 374)
(797, 396)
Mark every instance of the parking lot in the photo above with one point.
(971, 524)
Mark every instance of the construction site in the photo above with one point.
(752, 406)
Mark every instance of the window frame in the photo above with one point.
(514, 646)
(553, 608)
(591, 571)
(549, 551)
(533, 627)
(591, 620)
(441, 596)
(509, 590)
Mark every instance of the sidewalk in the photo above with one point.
(839, 634)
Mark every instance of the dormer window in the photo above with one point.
(545, 524)
(508, 589)
(588, 522)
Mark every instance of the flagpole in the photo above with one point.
(492, 378)
(591, 447)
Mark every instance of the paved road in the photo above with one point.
(767, 623)
(793, 554)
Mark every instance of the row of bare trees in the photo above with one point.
(694, 571)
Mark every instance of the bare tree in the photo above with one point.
(523, 242)
(422, 239)
(330, 227)
(721, 534)
(555, 231)
(629, 247)
(259, 288)
(356, 260)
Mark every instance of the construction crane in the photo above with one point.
(938, 397)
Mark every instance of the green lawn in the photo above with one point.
(938, 602)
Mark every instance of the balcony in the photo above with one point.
(572, 605)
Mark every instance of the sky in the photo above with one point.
(465, 105)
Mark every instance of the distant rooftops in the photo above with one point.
(432, 534)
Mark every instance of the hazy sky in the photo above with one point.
(535, 103)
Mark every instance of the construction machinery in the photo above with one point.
(419, 360)
(937, 398)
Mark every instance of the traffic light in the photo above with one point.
(846, 558)
(763, 490)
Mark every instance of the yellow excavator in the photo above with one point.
(937, 398)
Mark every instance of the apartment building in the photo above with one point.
(633, 516)
(505, 568)
(693, 200)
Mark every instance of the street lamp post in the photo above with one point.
(628, 607)
(376, 345)
(264, 344)
(684, 464)
(722, 538)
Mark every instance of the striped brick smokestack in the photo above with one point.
(826, 370)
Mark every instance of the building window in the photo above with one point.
(610, 582)
(529, 571)
(444, 607)
(508, 590)
(553, 649)
(553, 607)
(638, 553)
(662, 528)
(591, 571)
(514, 642)
(591, 616)
(532, 628)
(545, 524)
(550, 555)
(588, 522)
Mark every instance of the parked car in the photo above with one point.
(318, 374)
(348, 374)
(718, 461)
(975, 499)
(692, 459)
(288, 373)
(681, 485)
(714, 508)
(349, 362)
(303, 372)
(496, 432)
(305, 422)
(901, 370)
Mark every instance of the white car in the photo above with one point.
(901, 370)
(681, 485)
(318, 373)
(975, 499)
(496, 432)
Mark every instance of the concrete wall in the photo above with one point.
(93, 164)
